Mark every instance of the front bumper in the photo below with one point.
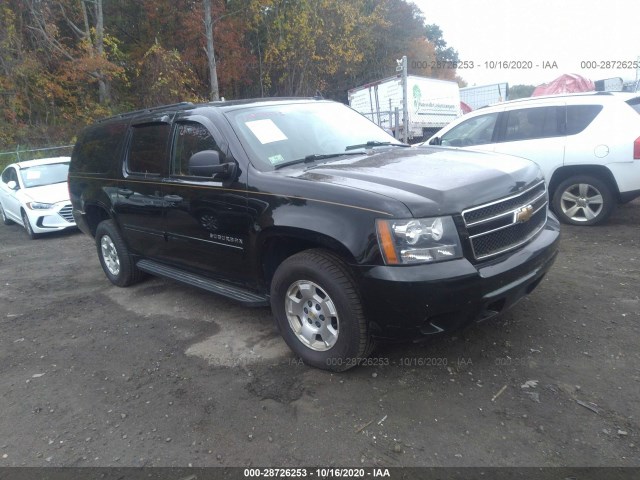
(57, 218)
(410, 302)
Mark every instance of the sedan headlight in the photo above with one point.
(40, 205)
(418, 240)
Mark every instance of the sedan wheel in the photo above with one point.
(27, 226)
(3, 217)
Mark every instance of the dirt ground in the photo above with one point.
(164, 375)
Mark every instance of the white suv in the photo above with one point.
(587, 145)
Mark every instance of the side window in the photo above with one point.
(475, 131)
(580, 116)
(11, 175)
(98, 148)
(6, 175)
(148, 148)
(190, 138)
(530, 123)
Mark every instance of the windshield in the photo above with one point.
(279, 134)
(39, 175)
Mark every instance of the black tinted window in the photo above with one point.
(475, 131)
(190, 138)
(530, 123)
(634, 103)
(580, 116)
(97, 148)
(148, 148)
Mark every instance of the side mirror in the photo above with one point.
(12, 185)
(435, 141)
(207, 164)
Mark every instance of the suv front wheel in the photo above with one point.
(318, 310)
(583, 200)
(115, 258)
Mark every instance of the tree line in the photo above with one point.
(66, 63)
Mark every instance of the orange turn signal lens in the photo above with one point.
(386, 242)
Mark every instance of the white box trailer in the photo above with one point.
(432, 103)
(483, 95)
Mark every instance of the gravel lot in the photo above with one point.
(165, 375)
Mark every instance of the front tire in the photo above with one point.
(116, 261)
(318, 310)
(583, 200)
(28, 227)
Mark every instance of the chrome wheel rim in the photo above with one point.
(581, 202)
(110, 255)
(312, 315)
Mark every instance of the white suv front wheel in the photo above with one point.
(583, 200)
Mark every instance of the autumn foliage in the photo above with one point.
(65, 63)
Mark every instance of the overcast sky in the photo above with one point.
(538, 31)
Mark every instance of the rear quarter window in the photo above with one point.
(580, 116)
(98, 148)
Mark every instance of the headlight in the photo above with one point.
(40, 206)
(418, 240)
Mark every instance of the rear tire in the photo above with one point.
(318, 310)
(583, 200)
(116, 261)
(3, 217)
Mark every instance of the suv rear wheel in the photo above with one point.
(583, 200)
(318, 311)
(115, 258)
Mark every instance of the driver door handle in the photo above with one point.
(173, 198)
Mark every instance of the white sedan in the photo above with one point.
(34, 194)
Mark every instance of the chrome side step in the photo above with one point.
(245, 297)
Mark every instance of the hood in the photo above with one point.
(430, 180)
(54, 193)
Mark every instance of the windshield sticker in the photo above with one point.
(33, 174)
(275, 159)
(266, 131)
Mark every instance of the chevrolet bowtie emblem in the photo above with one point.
(524, 214)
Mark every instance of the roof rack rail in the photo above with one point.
(147, 110)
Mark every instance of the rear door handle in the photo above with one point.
(173, 198)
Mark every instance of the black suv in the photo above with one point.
(303, 204)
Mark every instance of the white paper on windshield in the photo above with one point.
(33, 174)
(266, 131)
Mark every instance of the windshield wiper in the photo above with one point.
(313, 158)
(376, 143)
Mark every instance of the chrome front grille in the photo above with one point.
(503, 225)
(66, 213)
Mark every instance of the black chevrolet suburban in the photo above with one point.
(304, 205)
